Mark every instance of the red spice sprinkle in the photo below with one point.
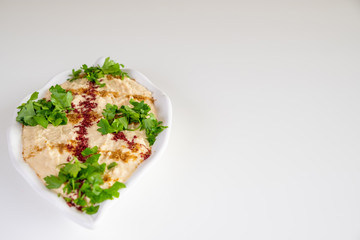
(74, 109)
(146, 155)
(85, 109)
(121, 136)
(131, 145)
(72, 204)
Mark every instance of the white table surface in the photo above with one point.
(265, 138)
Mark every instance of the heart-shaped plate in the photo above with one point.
(14, 135)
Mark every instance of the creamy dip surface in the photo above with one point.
(44, 149)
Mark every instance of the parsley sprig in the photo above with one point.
(43, 112)
(84, 180)
(94, 73)
(118, 119)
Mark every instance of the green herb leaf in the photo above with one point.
(43, 112)
(84, 180)
(113, 190)
(89, 151)
(93, 74)
(119, 124)
(57, 118)
(129, 113)
(117, 119)
(109, 112)
(91, 210)
(41, 120)
(93, 160)
(95, 178)
(60, 97)
(54, 182)
(140, 107)
(72, 169)
(110, 67)
(26, 114)
(34, 96)
(75, 75)
(152, 128)
(112, 165)
(105, 127)
(80, 201)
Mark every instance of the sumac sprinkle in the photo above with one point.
(146, 155)
(72, 204)
(121, 136)
(84, 109)
(131, 144)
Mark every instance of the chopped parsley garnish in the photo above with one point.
(93, 74)
(42, 112)
(118, 119)
(83, 182)
(112, 165)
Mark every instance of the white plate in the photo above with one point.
(164, 109)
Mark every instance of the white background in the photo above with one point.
(266, 124)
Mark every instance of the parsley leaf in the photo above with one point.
(93, 160)
(89, 151)
(105, 127)
(75, 75)
(80, 201)
(129, 113)
(91, 210)
(57, 118)
(84, 180)
(26, 114)
(34, 96)
(117, 119)
(41, 120)
(112, 165)
(140, 107)
(94, 73)
(60, 97)
(119, 124)
(110, 67)
(54, 182)
(152, 128)
(110, 111)
(113, 190)
(42, 112)
(72, 169)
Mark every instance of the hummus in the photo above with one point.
(45, 148)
